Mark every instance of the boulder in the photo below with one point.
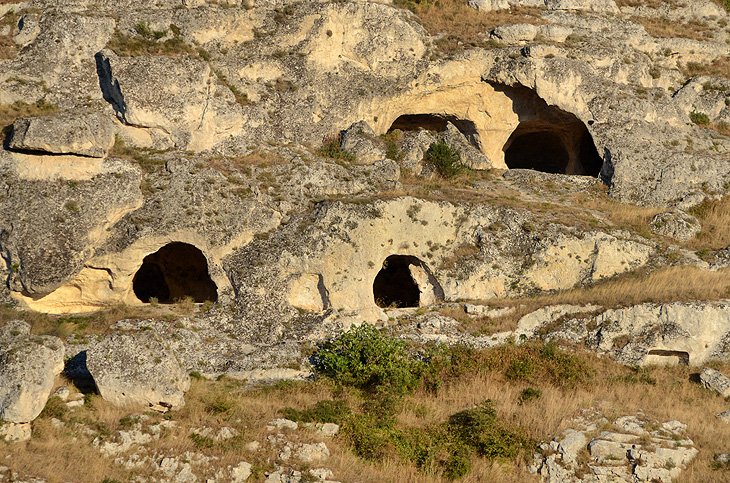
(89, 135)
(715, 381)
(604, 6)
(413, 151)
(470, 156)
(29, 365)
(675, 224)
(519, 32)
(15, 431)
(724, 416)
(555, 33)
(360, 140)
(138, 369)
(488, 5)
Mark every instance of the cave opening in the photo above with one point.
(565, 148)
(405, 281)
(547, 138)
(175, 271)
(667, 357)
(436, 123)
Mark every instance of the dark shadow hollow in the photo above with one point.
(436, 123)
(394, 286)
(175, 271)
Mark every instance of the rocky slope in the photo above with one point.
(298, 168)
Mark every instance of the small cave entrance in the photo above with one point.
(436, 123)
(547, 138)
(566, 149)
(175, 271)
(405, 281)
(667, 358)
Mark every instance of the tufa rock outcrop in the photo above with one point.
(138, 369)
(29, 365)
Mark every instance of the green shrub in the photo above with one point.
(55, 408)
(368, 435)
(699, 118)
(536, 361)
(365, 358)
(391, 150)
(520, 370)
(202, 442)
(478, 428)
(445, 159)
(457, 466)
(219, 405)
(325, 411)
(332, 148)
(529, 394)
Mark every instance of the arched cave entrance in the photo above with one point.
(175, 271)
(663, 357)
(547, 138)
(563, 148)
(436, 123)
(405, 281)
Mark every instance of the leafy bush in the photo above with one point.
(55, 408)
(699, 118)
(369, 435)
(529, 394)
(365, 358)
(534, 361)
(325, 411)
(445, 159)
(202, 442)
(457, 466)
(478, 429)
(332, 148)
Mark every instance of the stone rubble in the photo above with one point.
(634, 449)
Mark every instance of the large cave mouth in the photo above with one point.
(405, 281)
(175, 271)
(436, 123)
(565, 148)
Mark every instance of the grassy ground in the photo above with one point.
(662, 393)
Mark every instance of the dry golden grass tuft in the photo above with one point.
(662, 393)
(719, 67)
(661, 27)
(10, 112)
(463, 27)
(672, 284)
(714, 216)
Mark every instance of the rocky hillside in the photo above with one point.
(205, 196)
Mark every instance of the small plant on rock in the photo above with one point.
(445, 159)
(332, 148)
(699, 118)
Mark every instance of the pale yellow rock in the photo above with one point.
(305, 293)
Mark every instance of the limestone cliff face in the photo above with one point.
(186, 122)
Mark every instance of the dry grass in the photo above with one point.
(460, 23)
(8, 49)
(97, 322)
(612, 389)
(719, 67)
(68, 455)
(673, 284)
(714, 216)
(661, 27)
(10, 112)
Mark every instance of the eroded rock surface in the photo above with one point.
(138, 369)
(634, 449)
(29, 365)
